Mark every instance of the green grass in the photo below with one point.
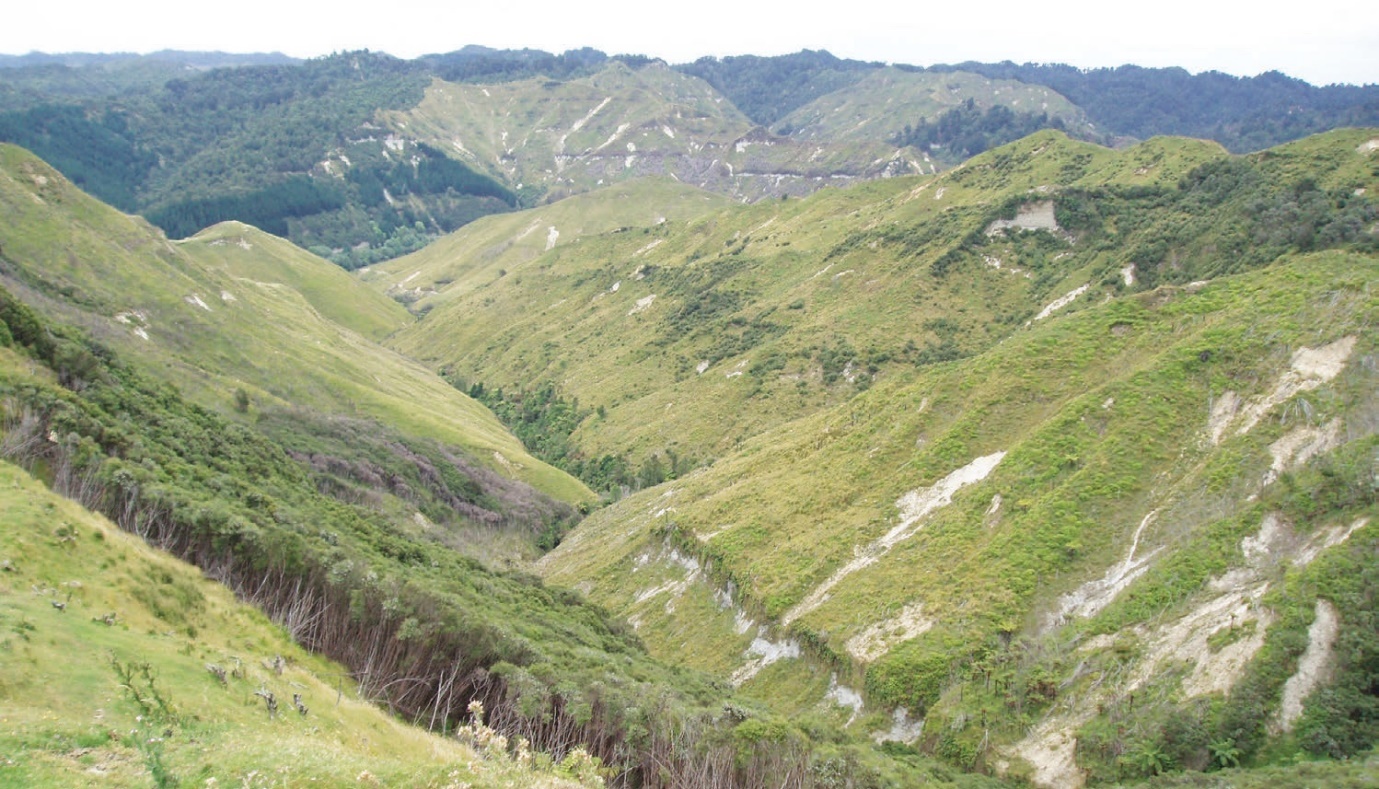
(1102, 414)
(555, 138)
(65, 719)
(245, 253)
(290, 329)
(881, 104)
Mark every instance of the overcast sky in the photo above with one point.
(1321, 41)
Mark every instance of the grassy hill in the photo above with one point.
(1022, 548)
(958, 445)
(418, 625)
(1059, 465)
(687, 339)
(693, 336)
(236, 309)
(879, 106)
(117, 686)
(490, 248)
(554, 138)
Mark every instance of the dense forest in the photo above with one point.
(766, 89)
(966, 131)
(481, 64)
(96, 151)
(1241, 113)
(31, 80)
(247, 143)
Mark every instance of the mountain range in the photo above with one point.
(362, 157)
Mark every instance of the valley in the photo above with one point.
(736, 446)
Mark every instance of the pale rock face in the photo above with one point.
(1312, 666)
(914, 507)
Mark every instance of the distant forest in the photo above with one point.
(1242, 113)
(966, 130)
(246, 143)
(768, 89)
(189, 139)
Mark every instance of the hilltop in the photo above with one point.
(362, 157)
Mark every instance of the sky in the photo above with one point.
(1322, 41)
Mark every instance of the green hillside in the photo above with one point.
(520, 670)
(1055, 325)
(1022, 547)
(493, 247)
(288, 147)
(553, 138)
(693, 336)
(687, 339)
(236, 309)
(117, 685)
(354, 157)
(1058, 466)
(882, 104)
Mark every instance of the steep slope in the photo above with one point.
(881, 105)
(682, 340)
(112, 650)
(1051, 552)
(538, 673)
(221, 312)
(491, 247)
(554, 138)
(690, 337)
(328, 289)
(289, 147)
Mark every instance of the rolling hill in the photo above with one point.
(236, 310)
(1056, 466)
(1029, 464)
(881, 104)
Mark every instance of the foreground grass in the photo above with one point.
(70, 715)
